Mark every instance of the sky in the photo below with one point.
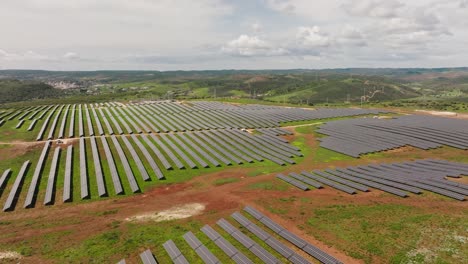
(242, 34)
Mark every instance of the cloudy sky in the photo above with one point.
(222, 34)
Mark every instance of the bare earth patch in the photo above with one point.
(178, 212)
(438, 113)
(9, 255)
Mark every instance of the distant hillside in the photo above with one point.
(15, 91)
(289, 86)
(306, 87)
(338, 89)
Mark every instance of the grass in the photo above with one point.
(223, 181)
(326, 155)
(320, 155)
(268, 186)
(126, 239)
(391, 232)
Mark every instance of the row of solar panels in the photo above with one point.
(395, 178)
(262, 254)
(182, 150)
(364, 135)
(138, 118)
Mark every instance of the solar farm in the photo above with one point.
(362, 136)
(169, 136)
(216, 182)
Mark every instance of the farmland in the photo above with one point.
(112, 163)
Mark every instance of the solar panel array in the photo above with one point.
(355, 137)
(146, 156)
(159, 116)
(396, 178)
(278, 244)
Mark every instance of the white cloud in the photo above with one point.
(351, 36)
(24, 56)
(71, 56)
(250, 46)
(163, 25)
(373, 8)
(312, 37)
(3, 54)
(351, 32)
(256, 27)
(285, 6)
(167, 34)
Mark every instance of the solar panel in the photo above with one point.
(110, 131)
(157, 171)
(62, 125)
(210, 150)
(51, 179)
(4, 177)
(329, 182)
(88, 119)
(97, 168)
(188, 150)
(122, 121)
(20, 123)
(136, 159)
(67, 179)
(200, 249)
(112, 167)
(147, 257)
(293, 182)
(158, 153)
(174, 253)
(372, 135)
(209, 140)
(216, 137)
(31, 126)
(46, 122)
(80, 122)
(268, 239)
(212, 160)
(167, 151)
(114, 122)
(310, 249)
(71, 132)
(369, 183)
(9, 203)
(138, 117)
(37, 173)
(225, 246)
(305, 180)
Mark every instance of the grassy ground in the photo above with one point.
(375, 229)
(398, 233)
